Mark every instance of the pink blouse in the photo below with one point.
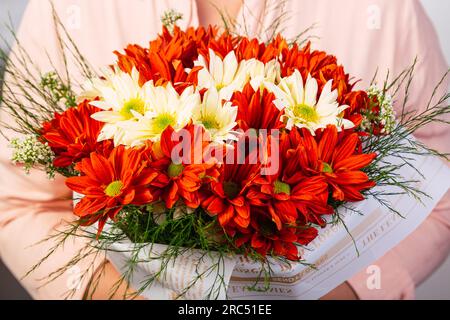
(363, 34)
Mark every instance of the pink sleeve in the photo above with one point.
(414, 259)
(32, 207)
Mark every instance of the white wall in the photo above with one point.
(10, 10)
(439, 12)
(438, 285)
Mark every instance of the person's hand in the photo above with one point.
(342, 292)
(103, 286)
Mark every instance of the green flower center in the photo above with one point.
(326, 168)
(281, 187)
(114, 188)
(231, 189)
(137, 105)
(175, 170)
(305, 112)
(162, 121)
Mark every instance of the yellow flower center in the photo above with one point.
(175, 170)
(305, 112)
(281, 187)
(210, 122)
(114, 188)
(162, 121)
(137, 105)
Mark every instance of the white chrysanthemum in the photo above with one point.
(226, 75)
(301, 107)
(167, 108)
(121, 98)
(261, 73)
(217, 119)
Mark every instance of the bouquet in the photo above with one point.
(206, 147)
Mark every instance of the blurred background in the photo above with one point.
(436, 287)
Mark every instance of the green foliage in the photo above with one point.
(400, 142)
(189, 230)
(58, 90)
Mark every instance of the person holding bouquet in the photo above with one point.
(388, 35)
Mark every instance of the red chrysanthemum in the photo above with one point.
(226, 197)
(292, 197)
(168, 57)
(338, 159)
(181, 179)
(256, 109)
(307, 196)
(72, 135)
(248, 49)
(265, 238)
(110, 183)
